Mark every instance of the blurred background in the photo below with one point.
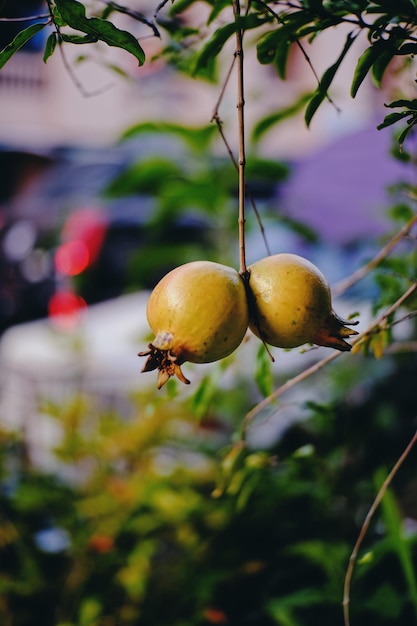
(121, 505)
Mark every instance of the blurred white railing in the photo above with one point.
(24, 72)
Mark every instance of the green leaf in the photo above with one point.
(268, 170)
(263, 371)
(273, 47)
(73, 13)
(146, 177)
(401, 213)
(281, 57)
(203, 396)
(218, 7)
(406, 132)
(392, 118)
(196, 137)
(179, 6)
(381, 64)
(50, 46)
(267, 122)
(366, 61)
(90, 610)
(78, 39)
(215, 44)
(410, 104)
(325, 82)
(19, 41)
(273, 44)
(408, 48)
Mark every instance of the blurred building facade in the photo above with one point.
(78, 96)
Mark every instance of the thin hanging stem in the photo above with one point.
(241, 132)
(216, 118)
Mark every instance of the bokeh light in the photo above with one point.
(72, 258)
(65, 309)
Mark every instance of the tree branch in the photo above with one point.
(313, 369)
(347, 283)
(365, 526)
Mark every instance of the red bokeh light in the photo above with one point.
(65, 308)
(87, 225)
(72, 258)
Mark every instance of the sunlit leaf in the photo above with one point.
(203, 396)
(90, 611)
(230, 466)
(378, 343)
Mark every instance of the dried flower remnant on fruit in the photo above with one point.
(198, 313)
(165, 363)
(290, 304)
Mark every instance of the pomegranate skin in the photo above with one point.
(290, 304)
(198, 313)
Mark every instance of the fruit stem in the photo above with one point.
(241, 135)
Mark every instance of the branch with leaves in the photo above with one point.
(390, 27)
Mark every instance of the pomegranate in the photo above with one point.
(198, 312)
(290, 303)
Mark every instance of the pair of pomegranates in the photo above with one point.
(200, 311)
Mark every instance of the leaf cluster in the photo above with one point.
(390, 28)
(69, 23)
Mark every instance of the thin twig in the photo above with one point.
(363, 271)
(365, 526)
(26, 18)
(313, 369)
(136, 15)
(84, 92)
(215, 116)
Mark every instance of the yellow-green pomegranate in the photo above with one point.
(198, 312)
(290, 304)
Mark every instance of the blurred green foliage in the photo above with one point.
(171, 518)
